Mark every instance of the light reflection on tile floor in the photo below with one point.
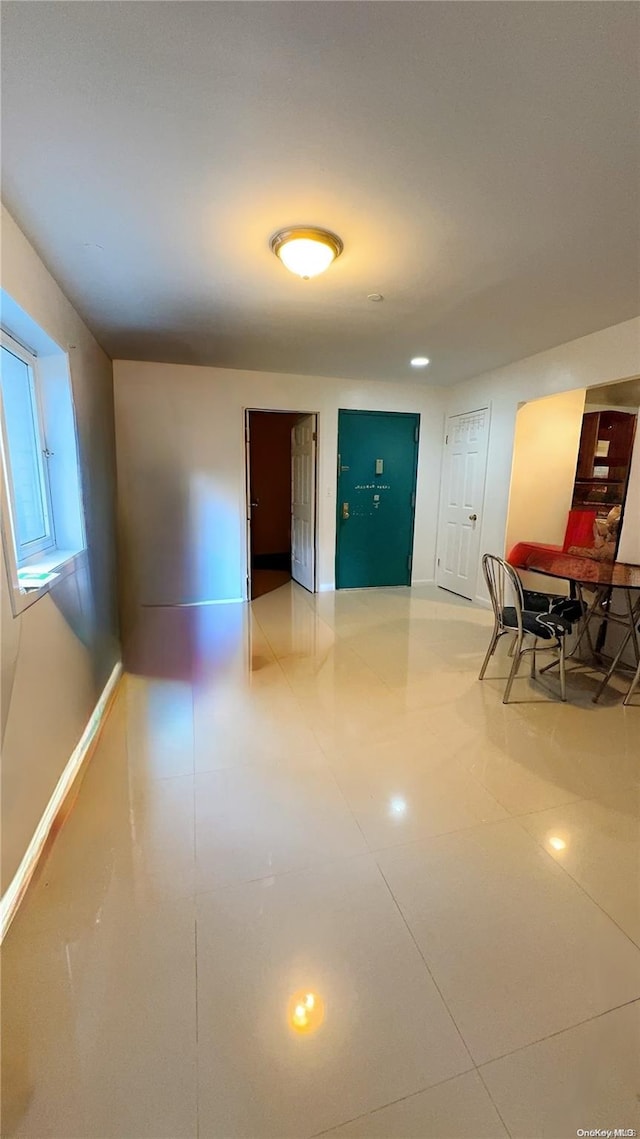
(313, 797)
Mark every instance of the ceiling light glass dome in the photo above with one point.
(305, 250)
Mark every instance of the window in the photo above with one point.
(42, 516)
(26, 451)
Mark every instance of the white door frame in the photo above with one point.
(443, 469)
(247, 488)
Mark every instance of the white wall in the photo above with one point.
(57, 655)
(545, 456)
(181, 472)
(181, 457)
(629, 549)
(612, 354)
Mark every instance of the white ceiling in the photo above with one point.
(479, 160)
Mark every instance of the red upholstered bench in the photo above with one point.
(579, 532)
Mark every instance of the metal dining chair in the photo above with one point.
(572, 608)
(614, 664)
(511, 617)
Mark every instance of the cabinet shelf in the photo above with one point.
(601, 492)
(600, 482)
(614, 432)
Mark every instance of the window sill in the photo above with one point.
(51, 567)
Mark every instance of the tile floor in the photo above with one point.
(320, 881)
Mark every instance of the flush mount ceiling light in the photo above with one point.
(305, 250)
(419, 361)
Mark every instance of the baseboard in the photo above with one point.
(329, 587)
(48, 824)
(194, 604)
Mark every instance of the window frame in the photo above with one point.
(27, 553)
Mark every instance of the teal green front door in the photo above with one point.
(377, 464)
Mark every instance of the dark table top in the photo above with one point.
(554, 563)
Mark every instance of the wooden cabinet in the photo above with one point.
(604, 458)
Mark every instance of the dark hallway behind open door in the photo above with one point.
(378, 460)
(281, 502)
(270, 498)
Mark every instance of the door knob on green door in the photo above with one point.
(345, 509)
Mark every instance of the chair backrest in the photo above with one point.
(579, 531)
(505, 587)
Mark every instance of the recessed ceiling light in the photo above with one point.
(419, 361)
(375, 297)
(306, 250)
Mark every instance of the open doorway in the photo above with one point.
(281, 499)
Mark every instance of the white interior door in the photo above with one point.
(462, 501)
(303, 501)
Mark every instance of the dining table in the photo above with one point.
(602, 579)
